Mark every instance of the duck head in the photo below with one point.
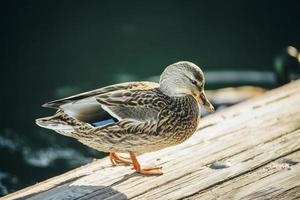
(185, 78)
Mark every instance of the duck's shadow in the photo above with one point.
(78, 192)
(69, 190)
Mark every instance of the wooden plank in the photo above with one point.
(250, 135)
(276, 180)
(205, 178)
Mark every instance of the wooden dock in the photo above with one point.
(248, 151)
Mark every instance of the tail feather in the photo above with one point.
(66, 125)
(50, 123)
(47, 122)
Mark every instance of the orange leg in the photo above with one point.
(144, 170)
(117, 159)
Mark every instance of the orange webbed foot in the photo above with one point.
(117, 159)
(144, 170)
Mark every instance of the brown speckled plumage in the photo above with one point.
(146, 116)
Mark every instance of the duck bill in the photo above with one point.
(205, 102)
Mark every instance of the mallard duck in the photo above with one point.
(134, 117)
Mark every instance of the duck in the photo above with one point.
(134, 117)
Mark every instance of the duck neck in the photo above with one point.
(171, 92)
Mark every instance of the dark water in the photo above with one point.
(52, 49)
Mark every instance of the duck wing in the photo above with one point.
(116, 87)
(139, 104)
(133, 100)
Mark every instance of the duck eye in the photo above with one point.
(194, 82)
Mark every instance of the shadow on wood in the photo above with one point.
(106, 192)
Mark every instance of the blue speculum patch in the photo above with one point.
(103, 122)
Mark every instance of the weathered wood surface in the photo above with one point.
(259, 137)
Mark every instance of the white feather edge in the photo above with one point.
(60, 127)
(111, 112)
